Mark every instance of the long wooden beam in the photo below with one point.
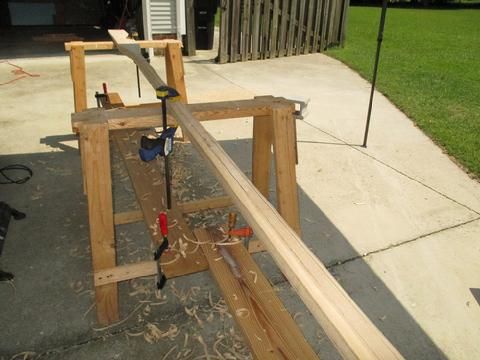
(150, 115)
(109, 45)
(349, 329)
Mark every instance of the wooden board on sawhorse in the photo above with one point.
(267, 326)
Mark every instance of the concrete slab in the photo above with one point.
(400, 206)
(432, 279)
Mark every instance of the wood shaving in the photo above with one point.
(25, 355)
(254, 275)
(118, 322)
(242, 312)
(152, 334)
(169, 352)
(297, 315)
(88, 310)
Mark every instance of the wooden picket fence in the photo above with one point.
(264, 29)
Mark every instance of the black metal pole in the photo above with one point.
(375, 69)
(167, 165)
(138, 84)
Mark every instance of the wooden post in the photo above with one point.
(175, 70)
(262, 153)
(190, 20)
(77, 70)
(284, 150)
(223, 47)
(96, 151)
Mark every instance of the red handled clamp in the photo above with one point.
(162, 220)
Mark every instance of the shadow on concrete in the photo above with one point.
(368, 291)
(44, 41)
(50, 305)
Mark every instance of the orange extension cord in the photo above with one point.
(17, 71)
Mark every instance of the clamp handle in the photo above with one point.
(162, 220)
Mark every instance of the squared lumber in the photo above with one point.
(77, 71)
(262, 152)
(127, 217)
(96, 151)
(285, 159)
(268, 328)
(109, 45)
(147, 179)
(150, 115)
(175, 71)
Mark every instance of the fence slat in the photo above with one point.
(343, 23)
(282, 41)
(224, 31)
(246, 30)
(323, 33)
(256, 28)
(235, 30)
(274, 29)
(266, 30)
(308, 32)
(331, 20)
(291, 27)
(300, 27)
(316, 30)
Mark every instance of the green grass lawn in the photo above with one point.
(429, 67)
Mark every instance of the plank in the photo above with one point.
(77, 71)
(300, 28)
(96, 151)
(175, 70)
(224, 31)
(149, 115)
(205, 204)
(235, 32)
(284, 148)
(291, 27)
(267, 327)
(316, 30)
(256, 28)
(147, 181)
(308, 34)
(274, 29)
(282, 41)
(262, 153)
(127, 217)
(109, 45)
(350, 330)
(124, 272)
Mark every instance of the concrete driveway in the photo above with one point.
(397, 223)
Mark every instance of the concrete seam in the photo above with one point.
(116, 332)
(401, 243)
(355, 147)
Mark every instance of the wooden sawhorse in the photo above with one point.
(273, 127)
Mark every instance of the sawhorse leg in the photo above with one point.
(96, 151)
(277, 130)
